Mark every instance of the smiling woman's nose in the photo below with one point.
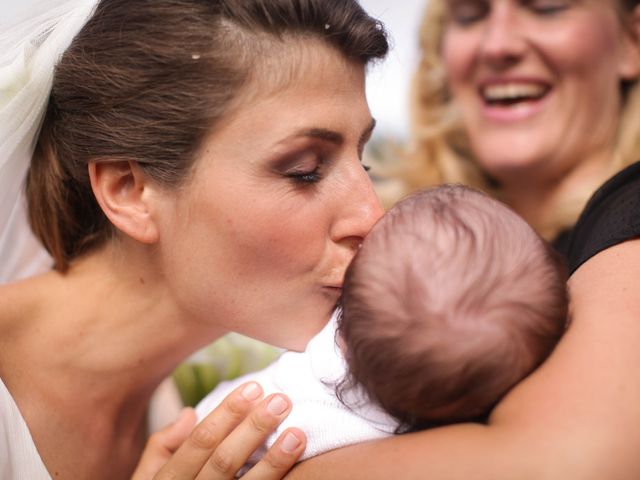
(502, 41)
(357, 211)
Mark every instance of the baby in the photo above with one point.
(451, 300)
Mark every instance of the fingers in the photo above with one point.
(172, 436)
(233, 451)
(222, 443)
(205, 438)
(280, 457)
(162, 444)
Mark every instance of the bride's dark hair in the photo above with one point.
(146, 80)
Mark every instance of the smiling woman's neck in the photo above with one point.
(537, 202)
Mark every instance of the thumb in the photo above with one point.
(163, 443)
(172, 436)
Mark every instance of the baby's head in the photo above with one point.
(451, 300)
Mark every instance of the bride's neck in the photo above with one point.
(120, 323)
(90, 347)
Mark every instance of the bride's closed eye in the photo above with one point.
(305, 167)
(310, 176)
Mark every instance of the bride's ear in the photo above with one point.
(123, 192)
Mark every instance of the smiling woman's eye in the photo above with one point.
(548, 6)
(466, 12)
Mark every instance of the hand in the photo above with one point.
(220, 445)
(163, 444)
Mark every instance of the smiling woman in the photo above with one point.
(518, 116)
(505, 94)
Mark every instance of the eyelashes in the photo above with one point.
(313, 176)
(468, 12)
(305, 177)
(305, 167)
(312, 163)
(549, 7)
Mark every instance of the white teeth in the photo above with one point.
(511, 91)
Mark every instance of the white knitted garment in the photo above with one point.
(308, 379)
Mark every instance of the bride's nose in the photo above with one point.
(357, 209)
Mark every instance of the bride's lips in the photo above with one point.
(333, 290)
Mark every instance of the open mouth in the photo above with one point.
(513, 94)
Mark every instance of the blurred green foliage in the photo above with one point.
(225, 359)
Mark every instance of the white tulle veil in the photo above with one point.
(29, 50)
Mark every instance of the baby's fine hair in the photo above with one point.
(451, 300)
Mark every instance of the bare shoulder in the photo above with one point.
(612, 274)
(11, 303)
(17, 296)
(20, 303)
(588, 391)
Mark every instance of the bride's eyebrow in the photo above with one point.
(326, 134)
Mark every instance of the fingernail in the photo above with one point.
(277, 405)
(251, 391)
(290, 443)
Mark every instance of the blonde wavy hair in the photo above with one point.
(439, 150)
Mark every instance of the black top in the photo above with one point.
(611, 216)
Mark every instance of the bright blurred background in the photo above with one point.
(388, 82)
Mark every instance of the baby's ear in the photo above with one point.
(629, 67)
(123, 192)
